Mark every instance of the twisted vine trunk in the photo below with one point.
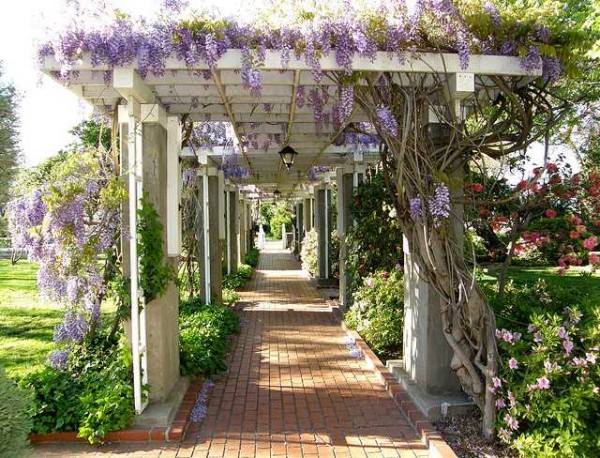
(416, 162)
(468, 323)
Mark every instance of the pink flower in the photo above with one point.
(590, 243)
(500, 403)
(568, 345)
(594, 259)
(563, 333)
(550, 213)
(591, 358)
(496, 382)
(369, 282)
(513, 363)
(574, 235)
(511, 399)
(511, 422)
(543, 383)
(580, 228)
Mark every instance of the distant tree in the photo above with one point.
(9, 137)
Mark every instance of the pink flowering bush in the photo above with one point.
(548, 386)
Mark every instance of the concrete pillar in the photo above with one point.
(345, 186)
(307, 216)
(208, 238)
(323, 228)
(232, 231)
(300, 223)
(427, 355)
(283, 236)
(242, 231)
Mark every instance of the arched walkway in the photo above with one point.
(292, 388)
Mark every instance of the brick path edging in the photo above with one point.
(173, 433)
(438, 447)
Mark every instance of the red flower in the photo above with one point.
(575, 220)
(483, 213)
(594, 191)
(576, 179)
(555, 179)
(477, 187)
(574, 234)
(551, 167)
(550, 213)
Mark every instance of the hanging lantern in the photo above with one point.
(288, 154)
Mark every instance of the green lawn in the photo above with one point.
(26, 322)
(573, 279)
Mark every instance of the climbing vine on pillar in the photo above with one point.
(155, 273)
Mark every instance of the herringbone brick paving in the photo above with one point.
(292, 390)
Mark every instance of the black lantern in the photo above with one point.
(288, 155)
(277, 194)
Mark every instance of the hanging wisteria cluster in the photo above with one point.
(339, 29)
(65, 226)
(438, 206)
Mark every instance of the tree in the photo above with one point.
(9, 133)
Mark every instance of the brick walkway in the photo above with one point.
(292, 389)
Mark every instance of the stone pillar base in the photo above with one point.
(433, 406)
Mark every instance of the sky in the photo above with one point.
(47, 110)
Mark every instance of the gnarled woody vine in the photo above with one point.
(425, 162)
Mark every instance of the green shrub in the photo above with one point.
(230, 297)
(92, 394)
(15, 424)
(309, 252)
(548, 385)
(378, 313)
(251, 257)
(204, 332)
(233, 282)
(245, 271)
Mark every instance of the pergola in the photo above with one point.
(150, 115)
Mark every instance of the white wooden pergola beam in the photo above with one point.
(423, 63)
(128, 83)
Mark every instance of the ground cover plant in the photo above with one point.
(204, 332)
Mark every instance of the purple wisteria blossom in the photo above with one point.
(416, 209)
(73, 328)
(492, 11)
(58, 359)
(386, 121)
(439, 203)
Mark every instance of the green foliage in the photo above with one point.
(375, 241)
(92, 395)
(229, 296)
(252, 256)
(309, 252)
(9, 138)
(93, 133)
(204, 332)
(553, 386)
(155, 274)
(274, 215)
(377, 313)
(245, 271)
(15, 424)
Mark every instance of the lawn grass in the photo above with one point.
(574, 278)
(26, 322)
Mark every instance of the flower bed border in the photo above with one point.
(438, 447)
